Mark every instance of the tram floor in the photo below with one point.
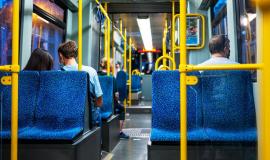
(137, 126)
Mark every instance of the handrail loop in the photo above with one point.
(165, 57)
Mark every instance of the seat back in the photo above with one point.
(62, 102)
(136, 83)
(106, 83)
(166, 95)
(228, 102)
(121, 80)
(28, 92)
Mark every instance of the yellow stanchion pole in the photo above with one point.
(80, 14)
(183, 85)
(108, 47)
(173, 31)
(125, 51)
(129, 73)
(15, 81)
(264, 110)
(164, 49)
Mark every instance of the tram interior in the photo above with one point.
(55, 118)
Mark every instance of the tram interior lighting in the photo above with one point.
(44, 20)
(145, 29)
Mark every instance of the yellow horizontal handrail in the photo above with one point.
(190, 68)
(165, 57)
(203, 31)
(10, 68)
(108, 18)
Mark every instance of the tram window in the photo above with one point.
(219, 18)
(5, 31)
(247, 36)
(47, 36)
(51, 8)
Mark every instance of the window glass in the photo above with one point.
(47, 36)
(50, 8)
(5, 31)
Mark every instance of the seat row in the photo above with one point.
(52, 105)
(220, 108)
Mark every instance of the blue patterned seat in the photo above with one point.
(136, 83)
(60, 112)
(121, 80)
(228, 106)
(166, 110)
(28, 92)
(106, 83)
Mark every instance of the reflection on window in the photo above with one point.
(5, 31)
(47, 36)
(50, 8)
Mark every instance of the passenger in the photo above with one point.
(219, 47)
(118, 108)
(40, 60)
(67, 56)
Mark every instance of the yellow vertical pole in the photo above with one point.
(108, 48)
(80, 14)
(125, 51)
(164, 43)
(183, 87)
(105, 33)
(129, 73)
(113, 54)
(173, 31)
(15, 77)
(264, 121)
(125, 61)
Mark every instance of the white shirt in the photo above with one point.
(217, 60)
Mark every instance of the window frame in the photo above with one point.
(52, 19)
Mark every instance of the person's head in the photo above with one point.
(118, 65)
(67, 51)
(40, 60)
(103, 64)
(220, 44)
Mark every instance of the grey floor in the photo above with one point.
(138, 127)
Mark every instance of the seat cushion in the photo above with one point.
(38, 133)
(173, 136)
(249, 135)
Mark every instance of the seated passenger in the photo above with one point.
(219, 47)
(67, 55)
(119, 109)
(40, 60)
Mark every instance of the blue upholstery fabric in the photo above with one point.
(228, 106)
(121, 80)
(61, 106)
(28, 91)
(165, 110)
(136, 83)
(106, 83)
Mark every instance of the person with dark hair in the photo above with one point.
(118, 108)
(40, 60)
(219, 47)
(68, 53)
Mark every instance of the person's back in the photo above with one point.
(219, 47)
(67, 55)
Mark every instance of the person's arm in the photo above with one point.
(99, 102)
(98, 92)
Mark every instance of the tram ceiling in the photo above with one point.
(140, 7)
(157, 22)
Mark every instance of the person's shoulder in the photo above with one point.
(90, 70)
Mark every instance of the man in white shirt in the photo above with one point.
(219, 47)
